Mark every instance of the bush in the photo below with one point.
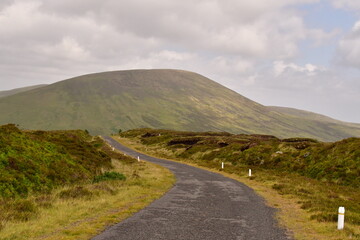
(109, 176)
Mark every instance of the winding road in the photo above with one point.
(202, 205)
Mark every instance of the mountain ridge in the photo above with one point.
(105, 102)
(10, 92)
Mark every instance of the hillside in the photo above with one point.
(38, 161)
(307, 115)
(304, 114)
(103, 103)
(19, 90)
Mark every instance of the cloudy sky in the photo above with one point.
(297, 53)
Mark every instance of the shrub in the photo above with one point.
(109, 176)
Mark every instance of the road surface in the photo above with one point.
(202, 205)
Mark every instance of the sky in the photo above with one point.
(303, 54)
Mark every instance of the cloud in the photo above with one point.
(309, 69)
(173, 56)
(87, 36)
(226, 27)
(320, 36)
(67, 48)
(351, 5)
(349, 48)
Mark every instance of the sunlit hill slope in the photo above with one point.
(105, 102)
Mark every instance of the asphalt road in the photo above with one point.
(202, 205)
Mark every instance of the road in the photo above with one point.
(202, 205)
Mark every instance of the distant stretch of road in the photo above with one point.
(202, 205)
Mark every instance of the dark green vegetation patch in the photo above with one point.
(337, 162)
(38, 161)
(107, 176)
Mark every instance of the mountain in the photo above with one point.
(19, 90)
(305, 114)
(105, 102)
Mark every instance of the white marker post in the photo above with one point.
(249, 172)
(138, 159)
(113, 149)
(222, 165)
(341, 218)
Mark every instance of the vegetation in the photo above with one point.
(38, 161)
(168, 99)
(318, 177)
(109, 176)
(69, 185)
(19, 90)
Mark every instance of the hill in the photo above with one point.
(304, 114)
(19, 90)
(105, 102)
(307, 115)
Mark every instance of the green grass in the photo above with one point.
(316, 177)
(38, 161)
(80, 212)
(69, 185)
(103, 103)
(109, 176)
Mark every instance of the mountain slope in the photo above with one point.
(19, 90)
(304, 114)
(307, 115)
(171, 99)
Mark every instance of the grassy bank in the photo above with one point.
(39, 161)
(92, 188)
(307, 180)
(91, 207)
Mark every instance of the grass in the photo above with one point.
(93, 208)
(69, 185)
(38, 161)
(306, 193)
(107, 176)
